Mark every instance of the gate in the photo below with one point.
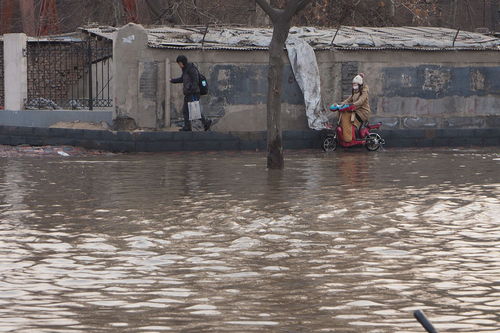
(70, 75)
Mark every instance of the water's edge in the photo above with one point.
(158, 141)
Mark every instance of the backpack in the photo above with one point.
(203, 83)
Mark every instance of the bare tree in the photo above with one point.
(281, 19)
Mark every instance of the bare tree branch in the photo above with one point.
(272, 12)
(295, 6)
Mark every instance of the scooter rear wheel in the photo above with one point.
(373, 141)
(329, 143)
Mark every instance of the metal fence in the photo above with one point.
(2, 90)
(70, 75)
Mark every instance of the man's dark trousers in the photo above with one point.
(185, 113)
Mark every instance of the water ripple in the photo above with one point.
(344, 242)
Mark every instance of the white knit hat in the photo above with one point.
(358, 79)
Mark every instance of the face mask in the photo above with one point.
(355, 86)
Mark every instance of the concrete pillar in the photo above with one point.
(15, 71)
(129, 49)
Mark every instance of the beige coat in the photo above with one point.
(362, 105)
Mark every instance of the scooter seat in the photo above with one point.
(374, 126)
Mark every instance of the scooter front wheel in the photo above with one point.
(373, 141)
(329, 143)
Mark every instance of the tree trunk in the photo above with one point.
(275, 75)
(281, 19)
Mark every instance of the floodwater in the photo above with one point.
(212, 242)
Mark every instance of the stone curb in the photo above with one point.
(213, 141)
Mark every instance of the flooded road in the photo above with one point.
(212, 242)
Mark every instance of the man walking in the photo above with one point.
(190, 79)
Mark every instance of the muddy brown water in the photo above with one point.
(212, 242)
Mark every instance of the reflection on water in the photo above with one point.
(343, 242)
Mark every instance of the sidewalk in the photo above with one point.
(44, 151)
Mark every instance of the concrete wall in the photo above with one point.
(237, 89)
(15, 71)
(46, 118)
(408, 89)
(411, 89)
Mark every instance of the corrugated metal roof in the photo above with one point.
(349, 38)
(52, 39)
(102, 31)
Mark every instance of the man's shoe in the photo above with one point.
(208, 123)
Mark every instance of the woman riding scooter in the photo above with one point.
(359, 98)
(352, 127)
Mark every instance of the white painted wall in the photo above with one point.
(16, 71)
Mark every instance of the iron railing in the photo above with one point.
(69, 75)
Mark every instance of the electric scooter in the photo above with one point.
(364, 136)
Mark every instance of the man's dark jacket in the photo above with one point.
(190, 80)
